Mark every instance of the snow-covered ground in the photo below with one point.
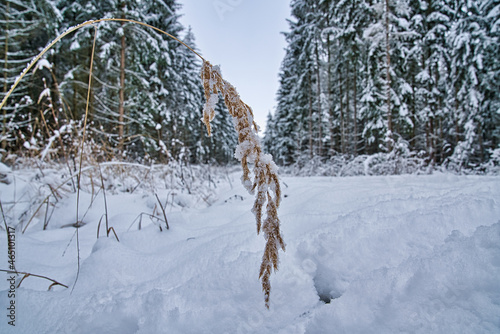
(392, 254)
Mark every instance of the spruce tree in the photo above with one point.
(288, 119)
(431, 80)
(25, 29)
(469, 41)
(490, 13)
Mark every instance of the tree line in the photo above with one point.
(418, 78)
(145, 98)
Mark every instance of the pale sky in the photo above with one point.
(244, 38)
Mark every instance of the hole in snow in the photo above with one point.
(326, 291)
(325, 298)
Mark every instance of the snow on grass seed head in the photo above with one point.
(249, 151)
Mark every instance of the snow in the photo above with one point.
(43, 94)
(43, 63)
(75, 45)
(370, 254)
(4, 168)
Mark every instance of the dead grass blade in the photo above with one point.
(163, 211)
(69, 31)
(26, 275)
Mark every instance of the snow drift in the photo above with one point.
(388, 254)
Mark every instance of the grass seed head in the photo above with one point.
(265, 182)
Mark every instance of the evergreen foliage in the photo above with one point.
(145, 97)
(25, 28)
(413, 78)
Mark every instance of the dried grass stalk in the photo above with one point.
(265, 184)
(249, 151)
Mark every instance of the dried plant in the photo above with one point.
(26, 275)
(163, 211)
(265, 183)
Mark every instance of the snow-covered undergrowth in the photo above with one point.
(393, 163)
(379, 254)
(34, 195)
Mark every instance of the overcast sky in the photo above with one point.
(244, 38)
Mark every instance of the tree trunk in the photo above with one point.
(310, 119)
(318, 92)
(481, 142)
(330, 91)
(342, 130)
(388, 77)
(413, 140)
(347, 107)
(5, 86)
(121, 108)
(355, 109)
(330, 95)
